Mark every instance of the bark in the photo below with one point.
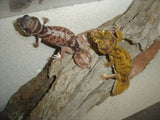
(27, 97)
(75, 91)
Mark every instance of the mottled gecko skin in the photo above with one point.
(119, 58)
(55, 36)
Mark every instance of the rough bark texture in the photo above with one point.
(75, 90)
(28, 96)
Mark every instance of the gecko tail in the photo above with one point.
(82, 58)
(119, 87)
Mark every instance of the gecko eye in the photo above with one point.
(22, 25)
(26, 17)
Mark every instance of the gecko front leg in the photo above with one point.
(118, 33)
(36, 44)
(45, 20)
(110, 62)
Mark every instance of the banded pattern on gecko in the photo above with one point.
(120, 59)
(55, 36)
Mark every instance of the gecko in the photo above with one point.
(57, 36)
(119, 58)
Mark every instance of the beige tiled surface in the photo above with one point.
(20, 61)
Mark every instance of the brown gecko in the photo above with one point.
(55, 36)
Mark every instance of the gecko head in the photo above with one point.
(105, 41)
(29, 25)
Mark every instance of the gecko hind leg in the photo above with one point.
(64, 49)
(105, 76)
(119, 85)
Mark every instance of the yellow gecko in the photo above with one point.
(120, 59)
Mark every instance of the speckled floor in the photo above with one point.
(20, 61)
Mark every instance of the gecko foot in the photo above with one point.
(116, 27)
(103, 76)
(58, 56)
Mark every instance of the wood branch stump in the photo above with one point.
(75, 91)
